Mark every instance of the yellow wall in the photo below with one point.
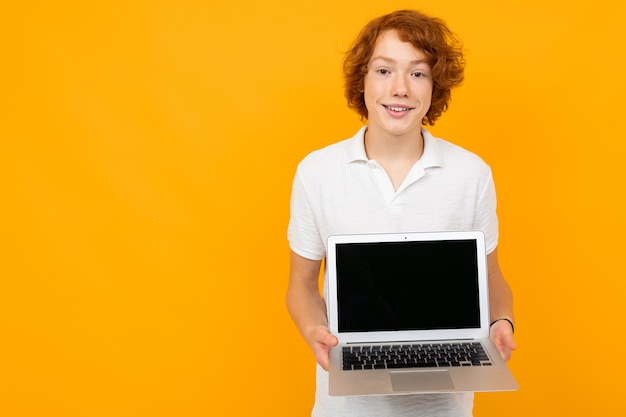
(146, 158)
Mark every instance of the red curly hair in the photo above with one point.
(428, 34)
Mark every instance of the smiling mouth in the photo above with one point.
(396, 108)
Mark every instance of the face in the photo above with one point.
(398, 87)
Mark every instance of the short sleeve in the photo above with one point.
(486, 218)
(303, 231)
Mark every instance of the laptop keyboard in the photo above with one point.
(433, 355)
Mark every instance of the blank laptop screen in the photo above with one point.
(423, 285)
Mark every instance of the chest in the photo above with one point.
(424, 201)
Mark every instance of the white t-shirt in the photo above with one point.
(338, 190)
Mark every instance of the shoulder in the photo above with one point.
(455, 156)
(326, 156)
(333, 157)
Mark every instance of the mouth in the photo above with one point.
(397, 108)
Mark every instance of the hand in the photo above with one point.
(501, 334)
(321, 342)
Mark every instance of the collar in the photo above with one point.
(431, 157)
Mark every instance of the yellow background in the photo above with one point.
(146, 158)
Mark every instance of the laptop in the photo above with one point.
(411, 312)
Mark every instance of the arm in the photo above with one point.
(501, 302)
(307, 308)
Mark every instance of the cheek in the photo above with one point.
(372, 90)
(369, 96)
(427, 94)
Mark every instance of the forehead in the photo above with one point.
(389, 46)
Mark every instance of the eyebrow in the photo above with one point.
(393, 61)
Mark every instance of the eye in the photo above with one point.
(418, 74)
(382, 71)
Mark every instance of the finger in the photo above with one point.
(511, 344)
(508, 341)
(325, 337)
(331, 340)
(321, 355)
(506, 348)
(323, 361)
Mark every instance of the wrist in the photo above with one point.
(504, 319)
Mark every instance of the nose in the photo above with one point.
(399, 86)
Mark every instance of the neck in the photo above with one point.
(385, 147)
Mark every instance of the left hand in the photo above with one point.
(501, 333)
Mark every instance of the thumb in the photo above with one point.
(327, 338)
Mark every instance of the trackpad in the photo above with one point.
(421, 381)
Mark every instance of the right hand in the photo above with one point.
(321, 341)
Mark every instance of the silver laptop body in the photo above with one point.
(414, 293)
